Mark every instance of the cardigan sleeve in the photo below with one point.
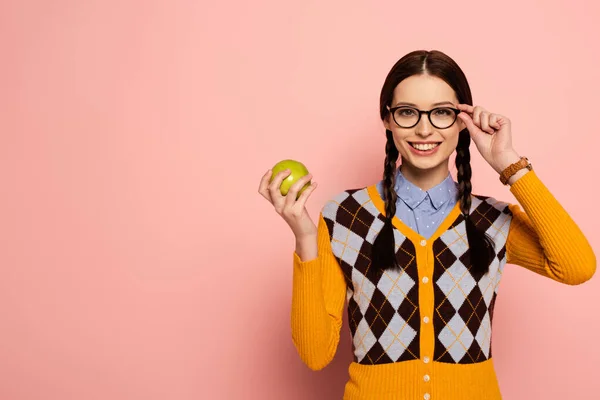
(318, 296)
(544, 238)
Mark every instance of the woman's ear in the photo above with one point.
(386, 123)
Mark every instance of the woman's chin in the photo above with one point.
(423, 163)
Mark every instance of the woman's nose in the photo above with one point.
(424, 127)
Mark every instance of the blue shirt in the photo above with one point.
(423, 211)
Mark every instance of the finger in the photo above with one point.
(275, 190)
(485, 122)
(264, 184)
(494, 121)
(502, 120)
(477, 115)
(465, 107)
(292, 194)
(473, 129)
(301, 202)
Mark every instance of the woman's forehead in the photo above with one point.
(423, 91)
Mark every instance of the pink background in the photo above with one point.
(137, 259)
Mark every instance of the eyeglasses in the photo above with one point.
(440, 117)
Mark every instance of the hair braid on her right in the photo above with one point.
(481, 245)
(384, 246)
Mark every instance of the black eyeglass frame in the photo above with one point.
(393, 111)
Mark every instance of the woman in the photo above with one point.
(418, 256)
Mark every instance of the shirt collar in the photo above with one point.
(413, 195)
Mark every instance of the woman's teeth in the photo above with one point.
(424, 147)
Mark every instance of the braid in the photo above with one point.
(389, 176)
(463, 167)
(384, 247)
(481, 246)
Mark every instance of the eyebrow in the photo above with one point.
(404, 103)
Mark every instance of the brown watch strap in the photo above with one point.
(513, 168)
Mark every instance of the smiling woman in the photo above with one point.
(417, 257)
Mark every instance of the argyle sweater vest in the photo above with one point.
(433, 301)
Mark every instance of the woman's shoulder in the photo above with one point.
(345, 195)
(349, 199)
(485, 204)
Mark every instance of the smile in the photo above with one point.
(424, 146)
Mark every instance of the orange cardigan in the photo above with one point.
(543, 239)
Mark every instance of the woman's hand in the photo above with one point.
(291, 210)
(492, 135)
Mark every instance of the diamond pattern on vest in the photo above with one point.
(464, 306)
(383, 310)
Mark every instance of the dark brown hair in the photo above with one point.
(435, 63)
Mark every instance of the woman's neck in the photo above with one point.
(425, 178)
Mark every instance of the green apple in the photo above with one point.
(298, 170)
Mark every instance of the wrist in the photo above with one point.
(305, 237)
(512, 167)
(306, 247)
(516, 176)
(505, 160)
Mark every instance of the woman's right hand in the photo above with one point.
(291, 210)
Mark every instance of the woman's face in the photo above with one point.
(424, 92)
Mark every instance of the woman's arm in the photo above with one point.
(544, 238)
(318, 295)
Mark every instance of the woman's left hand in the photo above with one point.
(491, 133)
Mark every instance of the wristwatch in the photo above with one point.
(513, 169)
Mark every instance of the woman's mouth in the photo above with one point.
(424, 149)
